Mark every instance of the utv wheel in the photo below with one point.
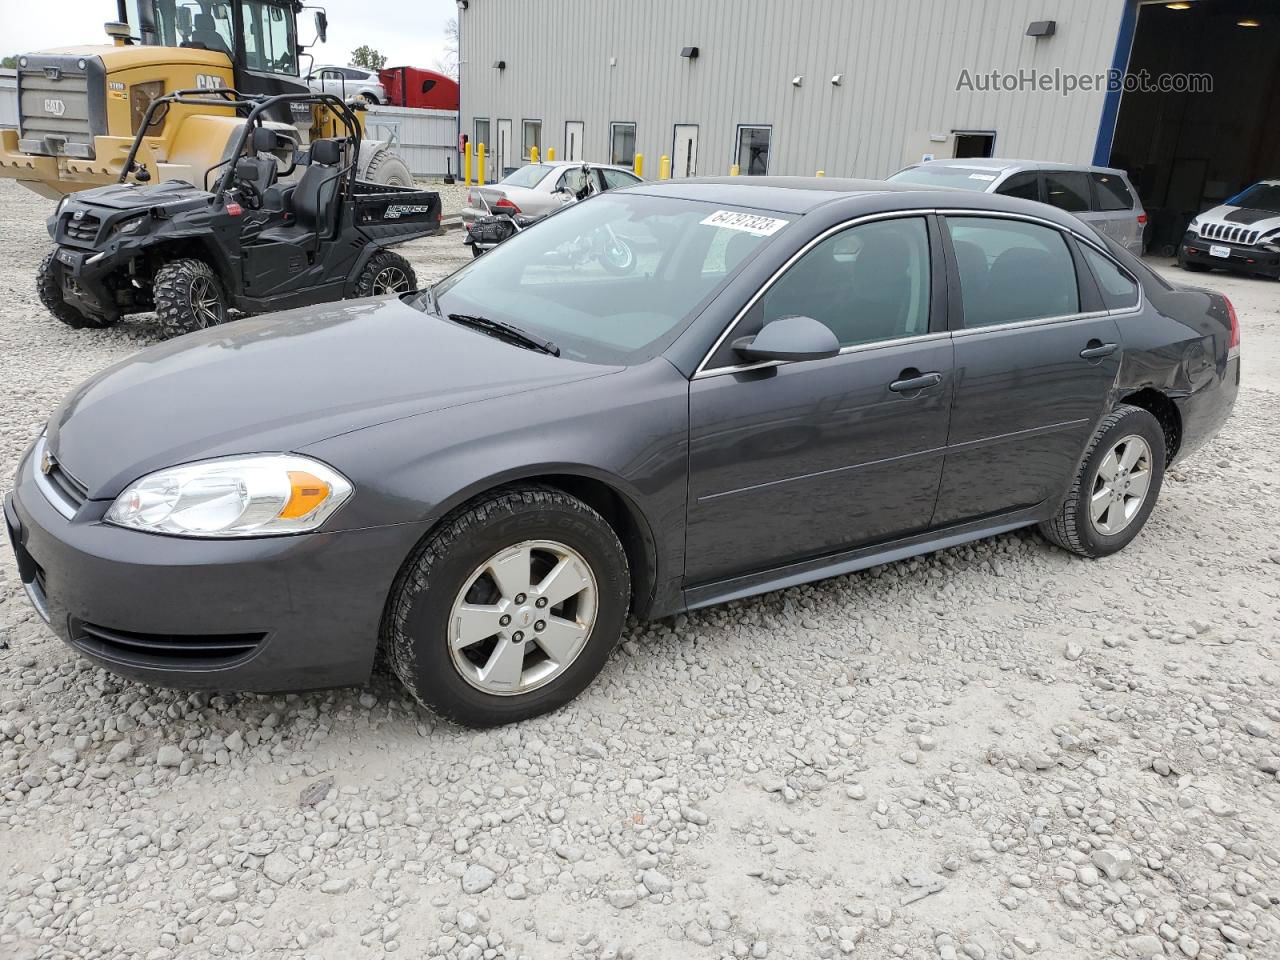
(1116, 487)
(49, 289)
(509, 609)
(188, 297)
(386, 169)
(386, 273)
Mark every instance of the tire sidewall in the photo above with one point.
(375, 265)
(1134, 423)
(438, 681)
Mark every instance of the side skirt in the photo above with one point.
(835, 565)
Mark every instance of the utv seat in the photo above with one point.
(257, 171)
(314, 201)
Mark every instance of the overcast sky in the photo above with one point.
(409, 32)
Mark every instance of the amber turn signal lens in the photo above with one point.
(307, 492)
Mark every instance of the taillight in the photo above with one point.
(471, 198)
(1142, 218)
(1234, 343)
(505, 204)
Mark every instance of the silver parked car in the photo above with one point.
(348, 82)
(537, 189)
(1099, 196)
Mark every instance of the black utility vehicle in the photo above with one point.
(251, 242)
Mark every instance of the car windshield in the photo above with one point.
(1261, 196)
(527, 176)
(613, 279)
(960, 177)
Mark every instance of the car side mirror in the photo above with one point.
(789, 338)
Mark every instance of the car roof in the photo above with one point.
(1001, 165)
(578, 163)
(802, 195)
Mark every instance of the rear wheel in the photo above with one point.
(510, 608)
(188, 297)
(49, 289)
(386, 273)
(1115, 488)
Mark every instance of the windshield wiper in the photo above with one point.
(507, 331)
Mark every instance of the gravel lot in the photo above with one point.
(996, 751)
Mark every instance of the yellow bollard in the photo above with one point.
(664, 168)
(735, 171)
(638, 165)
(821, 173)
(533, 154)
(480, 165)
(551, 154)
(466, 164)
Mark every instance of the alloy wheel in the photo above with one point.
(1120, 485)
(206, 305)
(522, 617)
(390, 280)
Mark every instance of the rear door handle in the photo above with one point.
(1096, 350)
(919, 381)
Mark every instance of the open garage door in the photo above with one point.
(1184, 148)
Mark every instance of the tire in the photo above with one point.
(621, 260)
(446, 569)
(476, 252)
(388, 170)
(385, 273)
(1124, 431)
(49, 289)
(188, 297)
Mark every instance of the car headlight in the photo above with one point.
(253, 496)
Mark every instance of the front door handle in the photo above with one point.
(913, 380)
(1096, 350)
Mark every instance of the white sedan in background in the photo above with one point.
(348, 82)
(537, 189)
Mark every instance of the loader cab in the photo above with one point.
(259, 37)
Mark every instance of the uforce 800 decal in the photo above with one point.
(398, 210)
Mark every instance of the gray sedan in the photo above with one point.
(783, 380)
(537, 189)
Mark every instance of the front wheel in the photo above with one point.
(1115, 488)
(49, 289)
(510, 608)
(385, 273)
(188, 297)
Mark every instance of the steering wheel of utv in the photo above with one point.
(250, 195)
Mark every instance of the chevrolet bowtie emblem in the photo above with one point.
(46, 463)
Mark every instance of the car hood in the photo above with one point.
(133, 196)
(281, 382)
(1244, 220)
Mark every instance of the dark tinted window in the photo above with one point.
(616, 178)
(1025, 185)
(1068, 190)
(1118, 289)
(1011, 270)
(866, 283)
(1111, 192)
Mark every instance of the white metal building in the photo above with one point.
(862, 87)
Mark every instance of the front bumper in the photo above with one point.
(1245, 259)
(268, 614)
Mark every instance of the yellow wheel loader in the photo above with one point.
(80, 108)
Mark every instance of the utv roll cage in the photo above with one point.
(251, 107)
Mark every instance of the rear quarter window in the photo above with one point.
(1119, 290)
(1111, 192)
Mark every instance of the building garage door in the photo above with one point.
(1187, 149)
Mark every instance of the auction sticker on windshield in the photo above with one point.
(746, 222)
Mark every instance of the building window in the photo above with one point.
(532, 138)
(974, 143)
(482, 135)
(622, 140)
(753, 150)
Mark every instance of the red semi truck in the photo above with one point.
(415, 87)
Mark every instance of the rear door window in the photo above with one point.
(1110, 192)
(617, 178)
(1025, 185)
(1068, 190)
(1011, 270)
